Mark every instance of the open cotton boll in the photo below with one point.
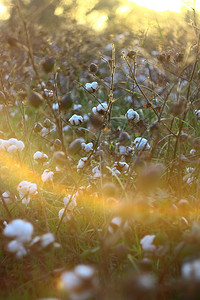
(20, 145)
(12, 149)
(67, 216)
(81, 162)
(84, 271)
(70, 201)
(191, 270)
(17, 248)
(47, 239)
(7, 197)
(96, 172)
(91, 87)
(147, 243)
(132, 115)
(47, 176)
(40, 156)
(141, 144)
(76, 120)
(87, 147)
(102, 108)
(20, 230)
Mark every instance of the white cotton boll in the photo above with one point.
(47, 239)
(115, 224)
(12, 149)
(141, 144)
(132, 115)
(91, 87)
(4, 145)
(67, 216)
(17, 248)
(87, 147)
(32, 188)
(40, 156)
(71, 200)
(20, 230)
(96, 172)
(70, 281)
(147, 243)
(94, 110)
(23, 187)
(37, 155)
(197, 113)
(20, 145)
(47, 176)
(102, 108)
(7, 197)
(191, 270)
(81, 163)
(76, 120)
(88, 87)
(12, 141)
(114, 170)
(44, 131)
(192, 151)
(84, 271)
(94, 85)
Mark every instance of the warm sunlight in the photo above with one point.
(171, 5)
(4, 15)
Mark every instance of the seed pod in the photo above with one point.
(124, 138)
(96, 121)
(109, 189)
(57, 143)
(2, 97)
(48, 64)
(93, 68)
(131, 54)
(47, 123)
(66, 102)
(38, 127)
(35, 99)
(59, 157)
(75, 146)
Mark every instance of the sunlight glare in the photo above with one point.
(160, 6)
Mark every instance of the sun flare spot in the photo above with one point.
(123, 9)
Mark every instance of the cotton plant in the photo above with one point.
(147, 243)
(80, 283)
(39, 156)
(8, 198)
(21, 233)
(87, 147)
(81, 163)
(68, 214)
(76, 120)
(116, 224)
(100, 109)
(191, 270)
(96, 172)
(92, 87)
(12, 145)
(47, 176)
(70, 201)
(26, 190)
(132, 115)
(125, 150)
(141, 144)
